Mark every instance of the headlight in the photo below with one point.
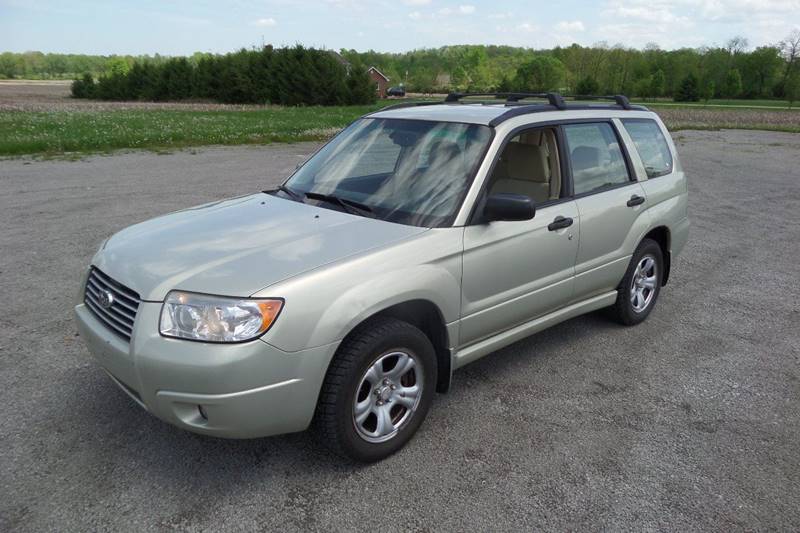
(200, 317)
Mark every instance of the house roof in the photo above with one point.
(381, 74)
(338, 57)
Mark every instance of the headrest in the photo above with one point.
(527, 162)
(585, 157)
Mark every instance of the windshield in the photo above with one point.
(407, 171)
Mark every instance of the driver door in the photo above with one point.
(516, 271)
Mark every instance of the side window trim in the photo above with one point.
(567, 186)
(623, 148)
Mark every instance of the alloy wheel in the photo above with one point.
(387, 396)
(643, 283)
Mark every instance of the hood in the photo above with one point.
(237, 247)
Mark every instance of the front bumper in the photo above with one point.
(242, 390)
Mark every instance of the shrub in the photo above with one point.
(587, 86)
(83, 87)
(287, 76)
(689, 90)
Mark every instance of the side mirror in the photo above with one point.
(506, 206)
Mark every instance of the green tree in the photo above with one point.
(643, 86)
(8, 65)
(505, 85)
(760, 70)
(708, 91)
(657, 84)
(83, 87)
(587, 86)
(117, 66)
(732, 87)
(360, 89)
(538, 74)
(688, 90)
(792, 88)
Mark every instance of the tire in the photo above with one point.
(630, 309)
(363, 417)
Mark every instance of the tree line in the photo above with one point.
(285, 76)
(730, 71)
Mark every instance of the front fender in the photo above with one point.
(426, 282)
(324, 305)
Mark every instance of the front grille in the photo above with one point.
(121, 312)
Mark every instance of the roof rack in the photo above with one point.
(517, 107)
(620, 99)
(554, 99)
(401, 105)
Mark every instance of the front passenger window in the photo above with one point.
(596, 157)
(529, 166)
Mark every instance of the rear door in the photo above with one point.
(610, 203)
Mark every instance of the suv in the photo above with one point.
(419, 239)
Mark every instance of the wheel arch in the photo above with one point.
(662, 236)
(428, 318)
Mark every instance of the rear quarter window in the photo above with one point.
(651, 146)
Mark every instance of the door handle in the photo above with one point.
(559, 223)
(635, 200)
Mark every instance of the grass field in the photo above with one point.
(41, 120)
(26, 132)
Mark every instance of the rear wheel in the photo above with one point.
(637, 294)
(377, 391)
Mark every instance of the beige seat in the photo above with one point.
(523, 169)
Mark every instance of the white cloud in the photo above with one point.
(528, 27)
(415, 15)
(501, 16)
(416, 2)
(570, 25)
(460, 10)
(265, 22)
(650, 12)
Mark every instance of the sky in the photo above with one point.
(183, 27)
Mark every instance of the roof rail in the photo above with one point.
(406, 104)
(620, 99)
(554, 99)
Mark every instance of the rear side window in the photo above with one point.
(596, 157)
(651, 145)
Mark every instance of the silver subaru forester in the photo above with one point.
(419, 239)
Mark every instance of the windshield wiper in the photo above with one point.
(351, 206)
(289, 192)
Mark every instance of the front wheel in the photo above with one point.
(377, 390)
(639, 289)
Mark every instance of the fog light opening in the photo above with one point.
(202, 412)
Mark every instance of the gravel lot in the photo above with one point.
(690, 421)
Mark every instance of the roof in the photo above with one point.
(381, 74)
(477, 114)
(339, 58)
(488, 114)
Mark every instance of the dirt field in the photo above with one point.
(689, 421)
